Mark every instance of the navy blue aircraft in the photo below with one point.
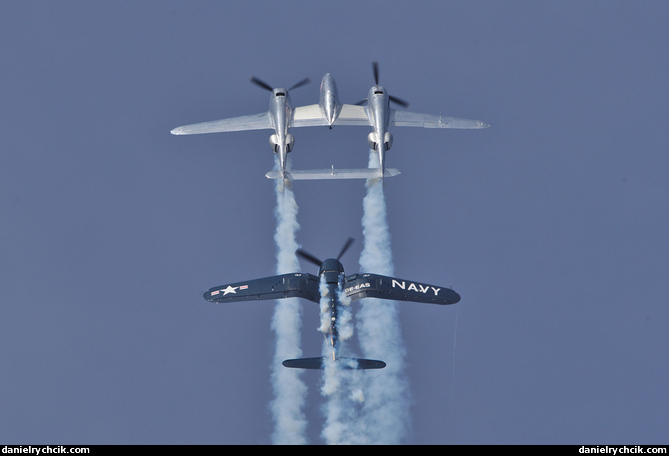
(356, 286)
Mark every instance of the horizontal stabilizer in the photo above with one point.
(342, 363)
(333, 173)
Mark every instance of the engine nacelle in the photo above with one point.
(374, 144)
(274, 142)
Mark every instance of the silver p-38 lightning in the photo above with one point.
(376, 113)
(329, 112)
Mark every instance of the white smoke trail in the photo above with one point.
(385, 413)
(345, 319)
(330, 378)
(340, 387)
(289, 389)
(371, 407)
(324, 306)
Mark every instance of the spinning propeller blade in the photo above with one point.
(261, 83)
(312, 259)
(264, 85)
(349, 241)
(301, 83)
(399, 101)
(309, 257)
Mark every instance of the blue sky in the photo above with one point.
(551, 224)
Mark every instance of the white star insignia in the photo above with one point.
(230, 289)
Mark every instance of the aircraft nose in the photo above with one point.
(482, 124)
(177, 131)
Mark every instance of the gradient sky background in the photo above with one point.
(552, 224)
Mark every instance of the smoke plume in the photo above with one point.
(371, 407)
(387, 400)
(361, 407)
(340, 387)
(289, 389)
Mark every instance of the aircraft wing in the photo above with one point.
(312, 115)
(415, 119)
(275, 287)
(308, 116)
(353, 115)
(252, 122)
(360, 286)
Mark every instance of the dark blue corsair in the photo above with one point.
(356, 286)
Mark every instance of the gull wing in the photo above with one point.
(360, 286)
(416, 119)
(294, 285)
(251, 122)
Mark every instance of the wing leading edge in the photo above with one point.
(253, 122)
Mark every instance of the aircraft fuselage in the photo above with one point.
(332, 273)
(329, 99)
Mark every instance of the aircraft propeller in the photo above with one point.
(348, 243)
(399, 101)
(264, 85)
(309, 257)
(301, 83)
